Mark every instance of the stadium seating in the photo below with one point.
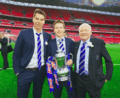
(54, 14)
(108, 32)
(4, 9)
(16, 10)
(65, 14)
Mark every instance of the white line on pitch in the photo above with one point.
(114, 52)
(114, 64)
(9, 68)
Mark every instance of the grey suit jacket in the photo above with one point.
(95, 65)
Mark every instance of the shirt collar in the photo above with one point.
(87, 41)
(60, 39)
(36, 31)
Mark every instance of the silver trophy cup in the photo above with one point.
(62, 70)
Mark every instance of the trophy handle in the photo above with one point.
(50, 58)
(68, 56)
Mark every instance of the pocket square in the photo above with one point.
(97, 57)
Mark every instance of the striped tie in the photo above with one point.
(61, 46)
(82, 60)
(39, 51)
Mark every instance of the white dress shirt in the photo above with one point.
(58, 43)
(34, 60)
(86, 56)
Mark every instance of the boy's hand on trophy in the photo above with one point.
(69, 62)
(52, 63)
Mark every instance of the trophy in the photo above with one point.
(62, 69)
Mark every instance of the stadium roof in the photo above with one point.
(63, 4)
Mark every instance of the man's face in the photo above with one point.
(38, 21)
(85, 32)
(59, 30)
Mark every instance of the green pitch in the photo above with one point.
(8, 81)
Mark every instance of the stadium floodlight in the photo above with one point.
(26, 4)
(118, 14)
(11, 2)
(98, 2)
(19, 3)
(32, 4)
(74, 8)
(3, 1)
(57, 7)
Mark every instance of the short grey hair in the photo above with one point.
(86, 25)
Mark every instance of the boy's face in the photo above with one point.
(59, 30)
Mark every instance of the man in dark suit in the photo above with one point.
(4, 50)
(88, 53)
(29, 57)
(66, 45)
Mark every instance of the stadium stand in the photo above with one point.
(105, 27)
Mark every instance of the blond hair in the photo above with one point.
(59, 21)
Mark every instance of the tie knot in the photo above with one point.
(61, 40)
(38, 34)
(84, 43)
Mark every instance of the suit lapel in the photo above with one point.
(32, 40)
(55, 46)
(66, 45)
(91, 50)
(75, 52)
(45, 39)
(76, 48)
(90, 53)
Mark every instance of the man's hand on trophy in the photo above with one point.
(69, 62)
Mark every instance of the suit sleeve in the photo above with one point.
(17, 53)
(48, 47)
(50, 37)
(72, 47)
(108, 62)
(48, 50)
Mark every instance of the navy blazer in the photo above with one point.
(24, 49)
(52, 46)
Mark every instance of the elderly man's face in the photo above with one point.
(85, 32)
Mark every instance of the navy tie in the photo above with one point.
(82, 60)
(39, 50)
(61, 46)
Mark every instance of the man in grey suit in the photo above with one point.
(88, 53)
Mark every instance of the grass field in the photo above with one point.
(8, 81)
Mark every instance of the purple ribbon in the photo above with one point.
(49, 67)
(49, 63)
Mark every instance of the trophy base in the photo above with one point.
(62, 74)
(62, 71)
(63, 78)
